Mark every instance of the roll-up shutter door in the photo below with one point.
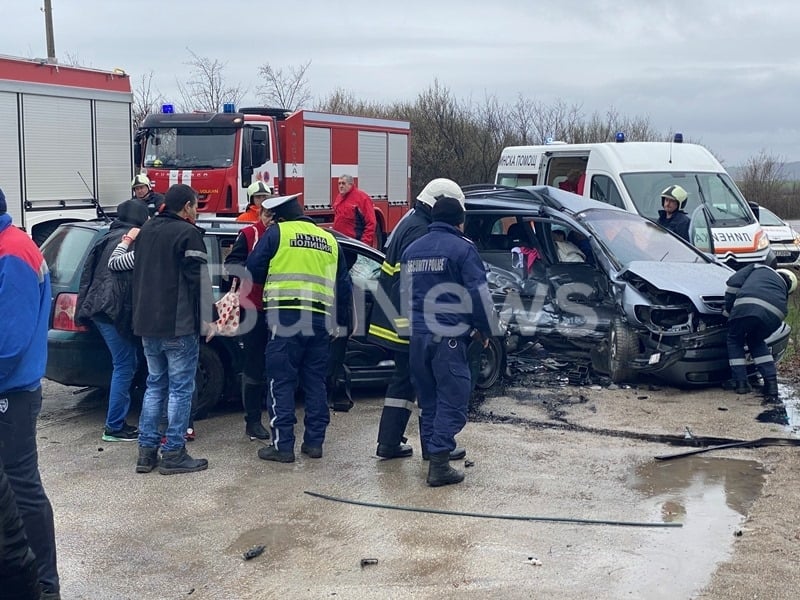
(114, 148)
(372, 163)
(9, 156)
(317, 168)
(398, 168)
(66, 125)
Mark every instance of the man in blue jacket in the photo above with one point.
(25, 306)
(449, 304)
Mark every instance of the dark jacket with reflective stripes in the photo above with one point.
(757, 291)
(383, 329)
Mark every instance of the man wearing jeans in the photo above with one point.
(172, 303)
(25, 309)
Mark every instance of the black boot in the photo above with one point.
(252, 398)
(458, 454)
(398, 451)
(179, 461)
(771, 390)
(441, 473)
(148, 460)
(742, 387)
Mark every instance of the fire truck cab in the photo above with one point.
(221, 154)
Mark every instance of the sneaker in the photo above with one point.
(189, 435)
(130, 428)
(311, 451)
(256, 431)
(272, 453)
(120, 436)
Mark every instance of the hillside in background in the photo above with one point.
(790, 171)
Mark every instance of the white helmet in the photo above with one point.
(790, 279)
(140, 179)
(258, 188)
(439, 187)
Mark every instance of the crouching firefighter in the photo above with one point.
(388, 328)
(756, 302)
(449, 303)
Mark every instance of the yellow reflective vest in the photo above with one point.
(302, 273)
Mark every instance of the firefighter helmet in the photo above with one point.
(141, 179)
(676, 193)
(259, 188)
(438, 188)
(790, 279)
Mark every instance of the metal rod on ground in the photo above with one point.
(757, 443)
(437, 511)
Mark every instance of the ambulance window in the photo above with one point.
(515, 180)
(605, 190)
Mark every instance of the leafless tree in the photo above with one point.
(284, 88)
(145, 99)
(762, 181)
(206, 88)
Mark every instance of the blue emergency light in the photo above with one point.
(167, 109)
(678, 139)
(619, 137)
(229, 107)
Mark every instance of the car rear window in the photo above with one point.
(64, 252)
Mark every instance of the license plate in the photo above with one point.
(782, 253)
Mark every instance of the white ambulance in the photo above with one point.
(632, 175)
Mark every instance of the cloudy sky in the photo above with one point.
(726, 74)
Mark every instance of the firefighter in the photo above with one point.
(388, 329)
(449, 304)
(256, 193)
(672, 217)
(142, 190)
(252, 326)
(307, 297)
(756, 303)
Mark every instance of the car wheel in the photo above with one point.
(623, 346)
(491, 365)
(209, 381)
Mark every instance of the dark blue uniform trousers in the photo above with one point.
(292, 360)
(750, 331)
(441, 376)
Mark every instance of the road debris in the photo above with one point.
(253, 552)
(368, 561)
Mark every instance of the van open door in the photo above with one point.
(700, 230)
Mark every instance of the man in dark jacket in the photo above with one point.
(172, 306)
(389, 328)
(105, 300)
(756, 303)
(449, 304)
(25, 306)
(672, 217)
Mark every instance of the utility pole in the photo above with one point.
(48, 25)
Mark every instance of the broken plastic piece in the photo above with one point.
(253, 552)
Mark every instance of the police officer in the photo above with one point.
(307, 297)
(142, 190)
(252, 326)
(389, 329)
(672, 217)
(449, 302)
(756, 303)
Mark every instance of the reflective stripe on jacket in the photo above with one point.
(302, 273)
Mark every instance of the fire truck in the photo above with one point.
(221, 154)
(65, 142)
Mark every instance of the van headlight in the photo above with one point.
(763, 241)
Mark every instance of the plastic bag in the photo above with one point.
(229, 312)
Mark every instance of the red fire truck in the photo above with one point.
(220, 154)
(65, 142)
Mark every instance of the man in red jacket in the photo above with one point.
(353, 212)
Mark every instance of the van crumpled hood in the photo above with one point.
(690, 279)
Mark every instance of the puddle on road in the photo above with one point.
(791, 401)
(710, 496)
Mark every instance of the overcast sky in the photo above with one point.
(726, 74)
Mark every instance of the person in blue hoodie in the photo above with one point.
(25, 306)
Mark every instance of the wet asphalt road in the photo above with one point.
(125, 535)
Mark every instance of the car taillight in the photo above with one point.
(64, 313)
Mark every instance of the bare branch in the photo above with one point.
(281, 88)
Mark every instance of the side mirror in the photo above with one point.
(754, 207)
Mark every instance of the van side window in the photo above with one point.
(605, 190)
